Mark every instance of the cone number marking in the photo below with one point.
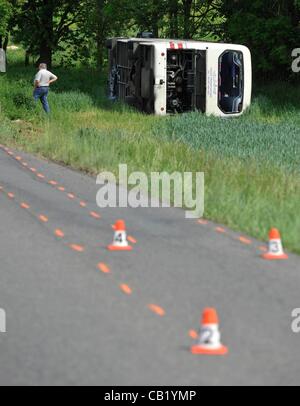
(274, 247)
(206, 335)
(119, 238)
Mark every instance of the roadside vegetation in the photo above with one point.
(251, 164)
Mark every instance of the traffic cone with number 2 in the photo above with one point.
(209, 342)
(120, 242)
(275, 246)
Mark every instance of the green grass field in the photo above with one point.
(251, 164)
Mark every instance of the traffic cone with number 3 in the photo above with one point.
(275, 246)
(209, 342)
(120, 242)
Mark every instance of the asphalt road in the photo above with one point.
(69, 323)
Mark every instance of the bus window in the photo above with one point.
(231, 82)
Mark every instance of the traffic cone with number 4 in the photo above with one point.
(209, 342)
(275, 246)
(120, 242)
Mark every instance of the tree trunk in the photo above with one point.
(293, 12)
(100, 48)
(155, 29)
(46, 26)
(155, 18)
(5, 43)
(27, 56)
(45, 54)
(187, 17)
(174, 12)
(99, 34)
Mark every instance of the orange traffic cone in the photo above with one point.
(120, 242)
(209, 338)
(275, 246)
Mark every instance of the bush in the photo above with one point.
(270, 28)
(22, 100)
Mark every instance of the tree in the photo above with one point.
(103, 18)
(270, 28)
(148, 15)
(5, 14)
(81, 27)
(44, 25)
(177, 18)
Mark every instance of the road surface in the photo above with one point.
(78, 314)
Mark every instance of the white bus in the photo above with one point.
(163, 76)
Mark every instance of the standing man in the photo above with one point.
(42, 81)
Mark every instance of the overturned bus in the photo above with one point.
(164, 76)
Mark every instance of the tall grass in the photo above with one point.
(251, 164)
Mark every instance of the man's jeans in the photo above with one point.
(42, 93)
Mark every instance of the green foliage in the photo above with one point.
(45, 26)
(22, 100)
(269, 28)
(16, 99)
(102, 18)
(5, 13)
(75, 32)
(173, 18)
